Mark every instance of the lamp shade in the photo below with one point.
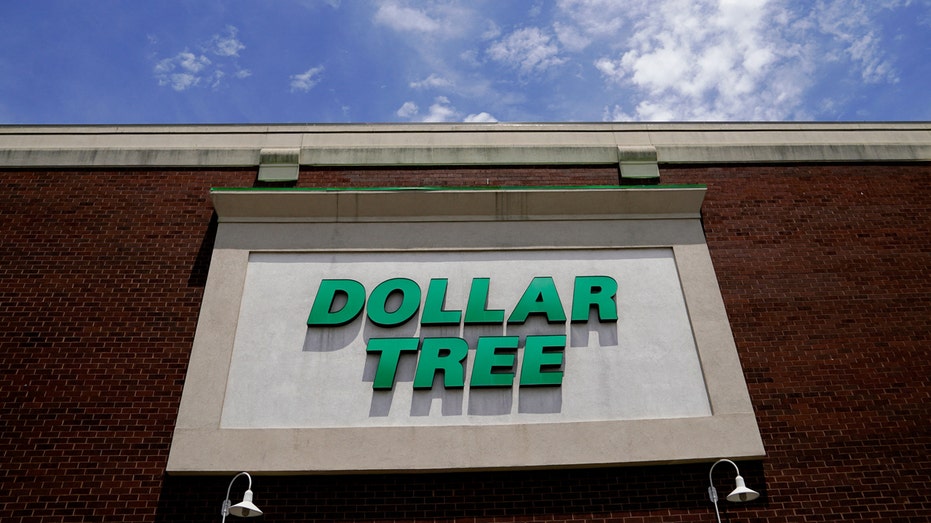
(742, 493)
(246, 508)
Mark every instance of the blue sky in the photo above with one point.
(356, 61)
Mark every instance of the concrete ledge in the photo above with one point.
(493, 144)
(464, 155)
(791, 153)
(456, 205)
(457, 448)
(280, 155)
(142, 157)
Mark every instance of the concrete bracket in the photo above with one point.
(638, 165)
(279, 165)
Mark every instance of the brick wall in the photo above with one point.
(100, 285)
(825, 274)
(823, 270)
(458, 177)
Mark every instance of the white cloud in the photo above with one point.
(850, 23)
(433, 81)
(187, 69)
(470, 57)
(441, 110)
(492, 31)
(571, 37)
(311, 4)
(875, 68)
(721, 60)
(408, 110)
(645, 112)
(481, 117)
(584, 21)
(658, 59)
(181, 81)
(725, 59)
(217, 79)
(611, 69)
(535, 10)
(527, 49)
(443, 42)
(181, 71)
(436, 21)
(227, 45)
(307, 80)
(191, 62)
(405, 18)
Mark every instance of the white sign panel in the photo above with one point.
(286, 373)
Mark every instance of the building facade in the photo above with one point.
(466, 323)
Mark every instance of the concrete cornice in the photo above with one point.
(457, 205)
(462, 144)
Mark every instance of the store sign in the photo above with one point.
(363, 331)
(396, 301)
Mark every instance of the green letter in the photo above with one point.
(441, 354)
(433, 313)
(390, 350)
(478, 300)
(321, 312)
(540, 297)
(594, 291)
(491, 368)
(542, 359)
(378, 302)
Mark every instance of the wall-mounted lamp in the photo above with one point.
(741, 493)
(245, 508)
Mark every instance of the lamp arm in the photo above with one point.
(230, 487)
(710, 482)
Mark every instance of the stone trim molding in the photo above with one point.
(458, 144)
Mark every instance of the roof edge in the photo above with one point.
(461, 144)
